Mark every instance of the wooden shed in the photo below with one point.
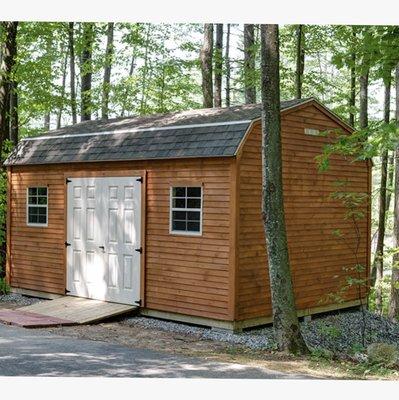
(164, 212)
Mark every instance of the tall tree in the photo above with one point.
(249, 64)
(300, 60)
(14, 129)
(109, 53)
(145, 70)
(131, 71)
(6, 69)
(86, 70)
(285, 318)
(206, 57)
(394, 298)
(47, 121)
(218, 56)
(72, 84)
(378, 267)
(363, 99)
(227, 65)
(352, 96)
(63, 85)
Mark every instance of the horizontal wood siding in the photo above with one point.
(183, 274)
(318, 258)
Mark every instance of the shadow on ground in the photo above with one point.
(32, 353)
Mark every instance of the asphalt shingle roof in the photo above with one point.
(215, 132)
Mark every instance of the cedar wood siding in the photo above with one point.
(317, 256)
(184, 274)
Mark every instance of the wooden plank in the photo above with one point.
(78, 310)
(8, 227)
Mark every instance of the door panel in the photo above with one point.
(104, 232)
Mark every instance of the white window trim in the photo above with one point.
(171, 209)
(34, 205)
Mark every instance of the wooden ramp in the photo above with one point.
(77, 310)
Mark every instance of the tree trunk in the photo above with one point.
(218, 65)
(71, 45)
(391, 168)
(14, 130)
(63, 84)
(227, 64)
(206, 56)
(109, 53)
(285, 318)
(249, 64)
(143, 101)
(378, 265)
(394, 299)
(6, 67)
(47, 121)
(131, 71)
(300, 60)
(86, 71)
(363, 100)
(352, 97)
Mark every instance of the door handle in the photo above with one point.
(102, 248)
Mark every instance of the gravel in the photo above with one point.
(338, 333)
(18, 299)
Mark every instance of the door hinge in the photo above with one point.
(139, 180)
(67, 180)
(140, 250)
(67, 244)
(67, 291)
(138, 302)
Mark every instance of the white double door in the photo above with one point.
(103, 238)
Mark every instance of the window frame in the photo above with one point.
(36, 224)
(171, 209)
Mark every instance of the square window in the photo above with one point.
(193, 203)
(36, 207)
(179, 203)
(193, 226)
(179, 192)
(186, 210)
(193, 192)
(179, 225)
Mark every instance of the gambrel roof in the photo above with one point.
(212, 132)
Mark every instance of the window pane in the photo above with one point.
(42, 219)
(32, 200)
(181, 215)
(179, 192)
(193, 192)
(42, 200)
(34, 210)
(32, 191)
(193, 215)
(42, 211)
(193, 203)
(179, 203)
(179, 226)
(42, 191)
(193, 226)
(32, 219)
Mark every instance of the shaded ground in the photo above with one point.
(26, 352)
(253, 349)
